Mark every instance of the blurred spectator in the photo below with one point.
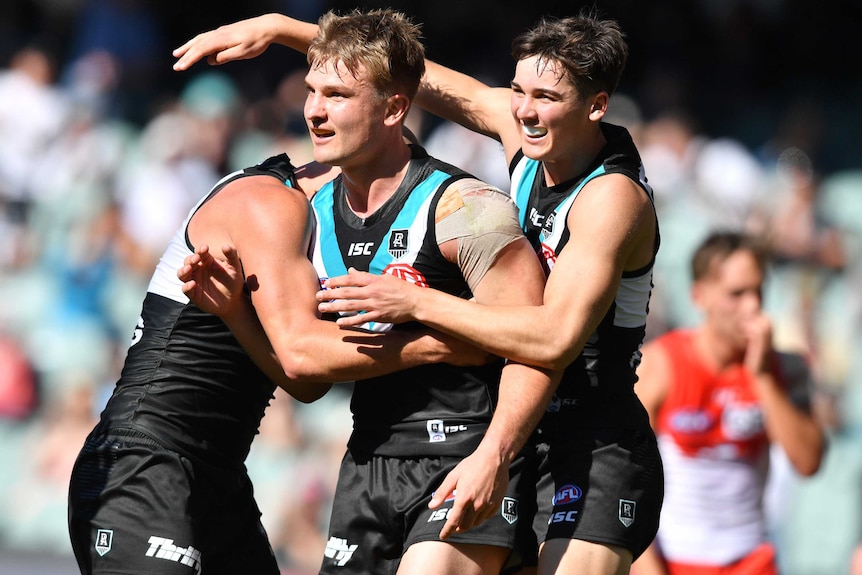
(32, 113)
(18, 386)
(717, 396)
(33, 506)
(158, 187)
(808, 249)
(856, 561)
(131, 33)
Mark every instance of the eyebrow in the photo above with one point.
(514, 84)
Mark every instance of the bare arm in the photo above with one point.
(793, 428)
(244, 40)
(449, 94)
(479, 231)
(481, 478)
(615, 227)
(467, 101)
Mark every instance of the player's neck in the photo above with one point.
(575, 161)
(370, 184)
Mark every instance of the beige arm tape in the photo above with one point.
(483, 219)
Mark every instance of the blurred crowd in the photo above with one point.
(89, 199)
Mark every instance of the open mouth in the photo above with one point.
(533, 131)
(321, 134)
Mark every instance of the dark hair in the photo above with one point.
(592, 52)
(386, 43)
(719, 246)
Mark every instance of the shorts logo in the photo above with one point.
(437, 430)
(104, 540)
(567, 494)
(398, 243)
(439, 514)
(339, 550)
(509, 509)
(162, 548)
(627, 512)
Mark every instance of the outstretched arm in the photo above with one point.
(465, 100)
(615, 226)
(445, 92)
(244, 40)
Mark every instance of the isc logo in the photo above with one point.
(563, 516)
(360, 249)
(439, 515)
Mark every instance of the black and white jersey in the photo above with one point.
(186, 381)
(597, 389)
(430, 410)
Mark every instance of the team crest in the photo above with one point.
(104, 540)
(509, 509)
(398, 243)
(627, 512)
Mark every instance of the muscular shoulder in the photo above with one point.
(618, 190)
(471, 207)
(246, 206)
(614, 214)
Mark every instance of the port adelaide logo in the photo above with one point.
(509, 509)
(398, 243)
(104, 540)
(627, 512)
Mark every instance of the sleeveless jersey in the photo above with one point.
(597, 389)
(715, 453)
(431, 410)
(186, 381)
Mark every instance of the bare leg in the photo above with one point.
(576, 557)
(436, 557)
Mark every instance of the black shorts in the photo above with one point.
(137, 507)
(381, 508)
(605, 489)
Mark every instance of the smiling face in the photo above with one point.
(345, 115)
(553, 117)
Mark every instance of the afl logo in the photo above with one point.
(567, 494)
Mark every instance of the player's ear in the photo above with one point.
(599, 106)
(698, 294)
(397, 106)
